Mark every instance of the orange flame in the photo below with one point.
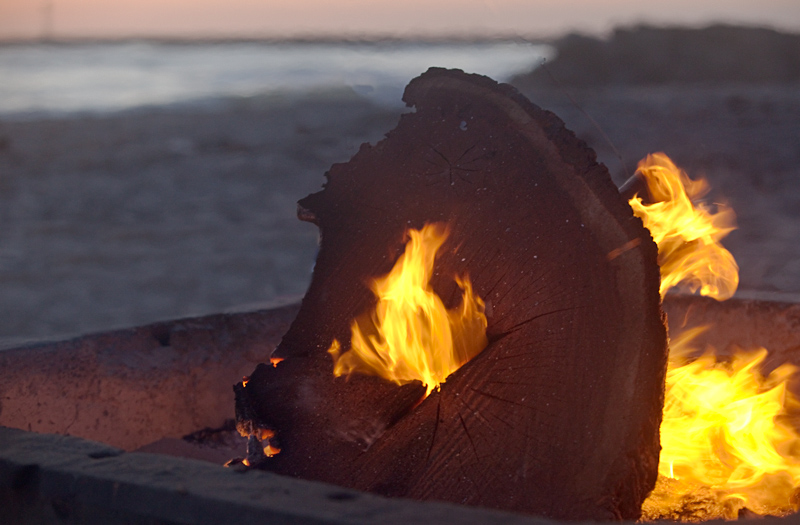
(270, 450)
(686, 232)
(410, 335)
(724, 437)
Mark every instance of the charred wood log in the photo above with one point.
(559, 414)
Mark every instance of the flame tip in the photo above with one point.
(685, 230)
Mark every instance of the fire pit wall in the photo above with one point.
(129, 388)
(748, 322)
(133, 387)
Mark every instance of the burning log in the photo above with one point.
(559, 414)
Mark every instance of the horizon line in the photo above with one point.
(368, 38)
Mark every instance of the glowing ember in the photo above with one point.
(410, 335)
(686, 232)
(725, 442)
(270, 451)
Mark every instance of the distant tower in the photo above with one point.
(47, 20)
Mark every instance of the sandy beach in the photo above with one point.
(122, 219)
(118, 220)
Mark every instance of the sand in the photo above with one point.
(123, 219)
(119, 220)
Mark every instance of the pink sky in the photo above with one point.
(193, 18)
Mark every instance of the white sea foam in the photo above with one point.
(99, 77)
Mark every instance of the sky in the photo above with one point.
(22, 19)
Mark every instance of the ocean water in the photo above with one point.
(58, 79)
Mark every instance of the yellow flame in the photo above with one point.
(725, 439)
(686, 232)
(410, 335)
(725, 429)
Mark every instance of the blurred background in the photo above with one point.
(371, 18)
(152, 153)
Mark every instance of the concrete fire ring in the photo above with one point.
(128, 388)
